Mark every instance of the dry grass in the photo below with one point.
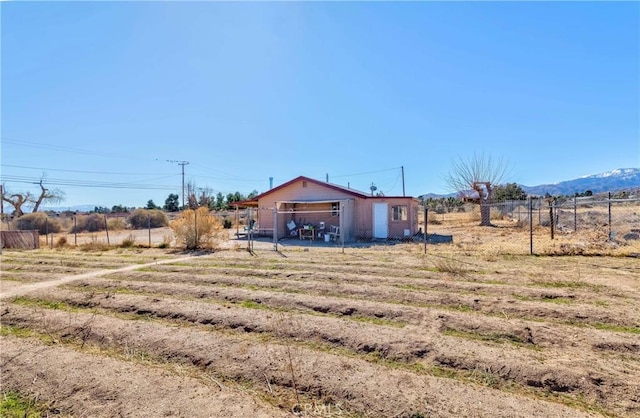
(513, 237)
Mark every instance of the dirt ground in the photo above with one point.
(310, 330)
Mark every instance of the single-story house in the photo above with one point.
(303, 204)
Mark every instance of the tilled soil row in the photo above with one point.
(52, 271)
(357, 385)
(86, 385)
(25, 277)
(528, 332)
(430, 282)
(31, 270)
(485, 303)
(82, 259)
(333, 305)
(413, 266)
(558, 373)
(387, 342)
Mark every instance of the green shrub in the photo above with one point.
(38, 221)
(145, 218)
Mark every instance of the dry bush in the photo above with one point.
(474, 214)
(61, 242)
(116, 224)
(289, 359)
(434, 219)
(37, 221)
(89, 223)
(148, 218)
(129, 242)
(166, 241)
(198, 229)
(449, 265)
(66, 223)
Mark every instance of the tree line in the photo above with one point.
(172, 203)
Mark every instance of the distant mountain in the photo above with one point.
(78, 208)
(438, 196)
(611, 181)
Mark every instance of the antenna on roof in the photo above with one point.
(270, 183)
(327, 177)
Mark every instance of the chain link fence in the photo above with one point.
(555, 226)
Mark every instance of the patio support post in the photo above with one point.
(342, 225)
(275, 229)
(426, 217)
(237, 222)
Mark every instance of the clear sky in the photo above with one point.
(97, 96)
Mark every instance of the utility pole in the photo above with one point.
(181, 163)
(1, 203)
(402, 167)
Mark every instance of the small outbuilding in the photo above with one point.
(306, 208)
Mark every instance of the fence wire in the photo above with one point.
(589, 226)
(560, 226)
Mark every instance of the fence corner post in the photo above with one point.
(530, 226)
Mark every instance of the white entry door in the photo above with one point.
(380, 220)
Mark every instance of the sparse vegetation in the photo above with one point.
(129, 242)
(15, 405)
(198, 229)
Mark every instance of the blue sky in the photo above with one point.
(97, 96)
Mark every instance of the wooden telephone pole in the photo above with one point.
(181, 163)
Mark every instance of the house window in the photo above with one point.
(304, 183)
(398, 213)
(335, 209)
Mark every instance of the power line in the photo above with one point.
(367, 172)
(89, 184)
(81, 171)
(68, 149)
(226, 176)
(388, 191)
(221, 175)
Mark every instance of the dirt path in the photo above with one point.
(26, 288)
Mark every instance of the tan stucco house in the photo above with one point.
(305, 203)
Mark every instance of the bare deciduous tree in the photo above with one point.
(477, 175)
(50, 196)
(20, 200)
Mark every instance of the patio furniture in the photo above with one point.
(334, 233)
(307, 233)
